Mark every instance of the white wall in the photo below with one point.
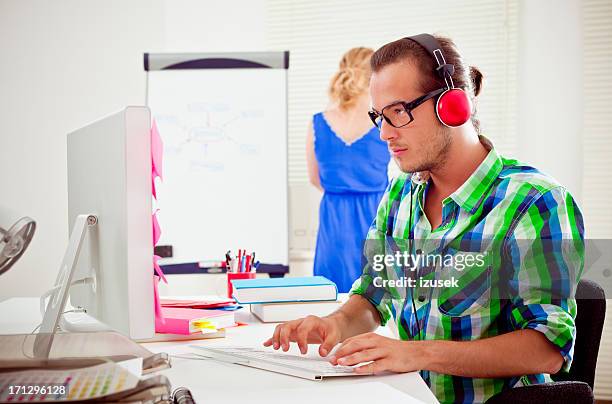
(550, 90)
(63, 64)
(214, 26)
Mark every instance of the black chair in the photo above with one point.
(576, 386)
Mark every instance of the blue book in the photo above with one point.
(279, 290)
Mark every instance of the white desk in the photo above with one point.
(212, 381)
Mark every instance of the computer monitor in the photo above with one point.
(108, 266)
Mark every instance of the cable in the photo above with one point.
(25, 337)
(416, 272)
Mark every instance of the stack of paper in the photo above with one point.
(75, 349)
(108, 381)
(197, 303)
(189, 321)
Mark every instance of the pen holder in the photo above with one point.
(237, 275)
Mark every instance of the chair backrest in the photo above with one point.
(591, 302)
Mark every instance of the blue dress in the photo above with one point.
(353, 178)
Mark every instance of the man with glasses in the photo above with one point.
(509, 318)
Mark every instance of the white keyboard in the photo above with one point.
(296, 365)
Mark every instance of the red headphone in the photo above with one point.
(453, 106)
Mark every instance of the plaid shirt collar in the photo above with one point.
(469, 195)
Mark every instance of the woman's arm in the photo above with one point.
(311, 160)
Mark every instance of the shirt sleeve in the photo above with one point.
(546, 250)
(374, 245)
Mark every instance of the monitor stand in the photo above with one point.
(58, 296)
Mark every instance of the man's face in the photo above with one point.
(423, 144)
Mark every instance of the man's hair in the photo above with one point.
(352, 78)
(469, 78)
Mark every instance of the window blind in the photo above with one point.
(597, 141)
(597, 149)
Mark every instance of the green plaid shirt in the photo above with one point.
(530, 231)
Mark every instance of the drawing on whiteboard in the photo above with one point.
(209, 131)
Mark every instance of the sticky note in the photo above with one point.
(158, 270)
(156, 229)
(157, 149)
(158, 309)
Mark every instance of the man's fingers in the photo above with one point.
(360, 337)
(374, 367)
(355, 344)
(285, 334)
(304, 331)
(362, 356)
(330, 339)
(275, 337)
(301, 336)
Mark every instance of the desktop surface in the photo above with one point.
(213, 381)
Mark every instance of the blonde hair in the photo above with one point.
(352, 78)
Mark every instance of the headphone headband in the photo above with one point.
(453, 106)
(432, 46)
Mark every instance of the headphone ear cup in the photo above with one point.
(454, 107)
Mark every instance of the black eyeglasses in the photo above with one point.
(399, 113)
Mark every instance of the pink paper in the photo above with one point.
(179, 319)
(159, 315)
(157, 148)
(156, 229)
(158, 270)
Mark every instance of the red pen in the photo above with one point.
(239, 268)
(248, 264)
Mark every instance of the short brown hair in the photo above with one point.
(352, 78)
(469, 78)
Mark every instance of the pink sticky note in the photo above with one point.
(157, 149)
(153, 190)
(158, 270)
(156, 229)
(159, 315)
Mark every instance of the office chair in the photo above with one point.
(576, 386)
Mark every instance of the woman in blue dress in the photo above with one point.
(348, 162)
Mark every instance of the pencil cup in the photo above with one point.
(237, 275)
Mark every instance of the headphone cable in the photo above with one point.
(413, 265)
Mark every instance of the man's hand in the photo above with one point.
(521, 352)
(385, 353)
(308, 330)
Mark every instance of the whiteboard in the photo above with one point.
(224, 181)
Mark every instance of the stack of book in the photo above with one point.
(284, 299)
